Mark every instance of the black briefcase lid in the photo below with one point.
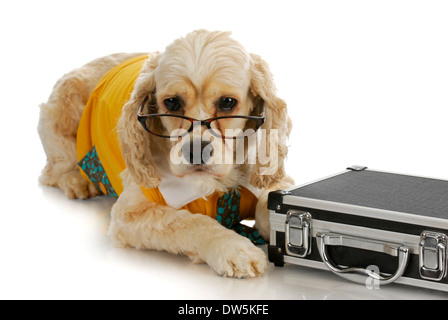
(376, 189)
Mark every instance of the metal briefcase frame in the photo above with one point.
(365, 225)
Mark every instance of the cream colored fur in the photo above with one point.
(200, 67)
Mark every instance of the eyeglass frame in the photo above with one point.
(259, 120)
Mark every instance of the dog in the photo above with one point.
(154, 143)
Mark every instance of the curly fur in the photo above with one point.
(201, 66)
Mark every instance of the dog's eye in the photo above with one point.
(227, 104)
(172, 104)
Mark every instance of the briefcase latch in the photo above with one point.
(433, 255)
(298, 233)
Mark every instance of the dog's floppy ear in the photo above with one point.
(134, 140)
(263, 87)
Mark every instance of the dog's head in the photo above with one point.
(199, 101)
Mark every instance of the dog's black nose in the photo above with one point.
(197, 152)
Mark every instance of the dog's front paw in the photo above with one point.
(236, 257)
(77, 187)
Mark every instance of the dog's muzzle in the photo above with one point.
(198, 151)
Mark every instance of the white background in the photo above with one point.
(366, 83)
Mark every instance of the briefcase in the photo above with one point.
(367, 226)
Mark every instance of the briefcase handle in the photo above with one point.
(361, 275)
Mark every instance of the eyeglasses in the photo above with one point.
(221, 127)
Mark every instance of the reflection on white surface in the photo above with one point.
(57, 248)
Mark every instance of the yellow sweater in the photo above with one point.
(101, 161)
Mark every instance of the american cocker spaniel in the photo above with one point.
(190, 142)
